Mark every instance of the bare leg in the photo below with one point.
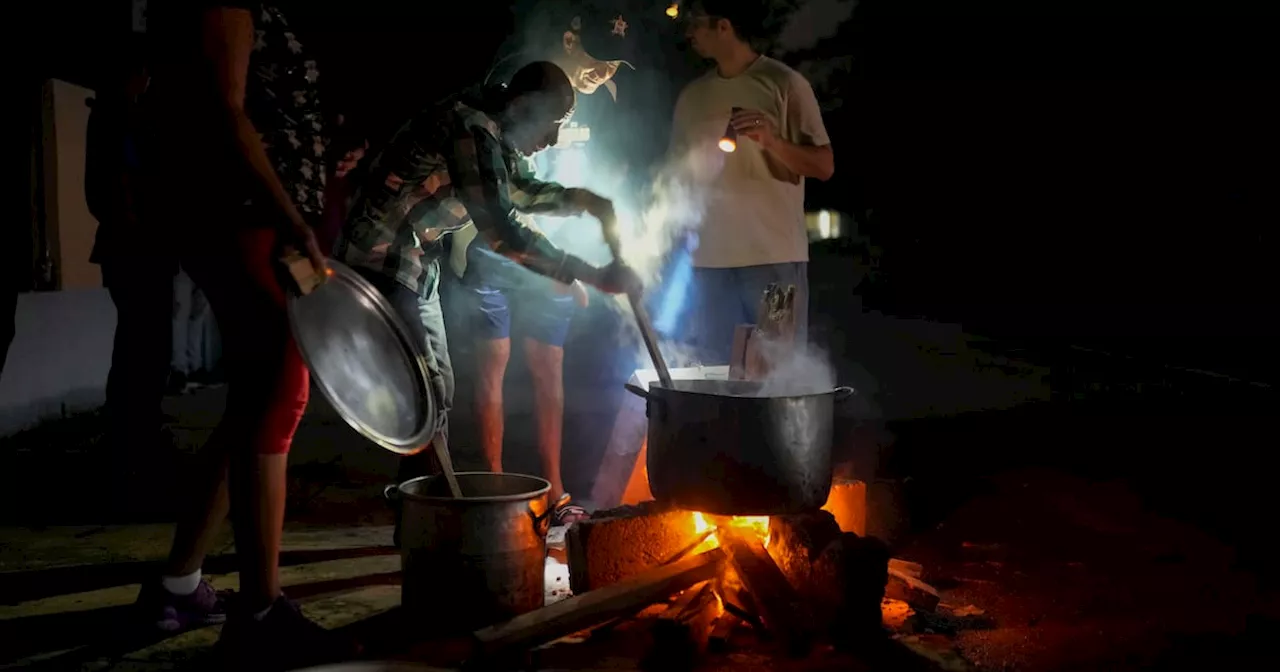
(546, 363)
(198, 529)
(258, 489)
(491, 366)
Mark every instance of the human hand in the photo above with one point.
(755, 125)
(618, 278)
(349, 160)
(299, 235)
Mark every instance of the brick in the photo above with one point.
(619, 543)
(848, 503)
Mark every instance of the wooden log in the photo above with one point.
(856, 568)
(722, 631)
(681, 634)
(920, 595)
(781, 608)
(580, 611)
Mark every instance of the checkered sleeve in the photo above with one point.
(536, 197)
(482, 182)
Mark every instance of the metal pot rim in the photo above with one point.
(839, 390)
(543, 488)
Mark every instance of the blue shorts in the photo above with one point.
(723, 298)
(498, 288)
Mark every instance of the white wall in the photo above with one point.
(60, 355)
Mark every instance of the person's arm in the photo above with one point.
(807, 152)
(537, 197)
(227, 37)
(482, 184)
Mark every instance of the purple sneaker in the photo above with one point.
(175, 613)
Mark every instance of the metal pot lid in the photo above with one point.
(364, 360)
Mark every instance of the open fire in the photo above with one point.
(693, 579)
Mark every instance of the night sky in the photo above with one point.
(1058, 171)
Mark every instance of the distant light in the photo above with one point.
(728, 145)
(824, 224)
(673, 11)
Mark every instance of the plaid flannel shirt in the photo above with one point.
(444, 170)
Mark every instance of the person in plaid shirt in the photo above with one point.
(457, 165)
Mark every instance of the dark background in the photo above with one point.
(1057, 173)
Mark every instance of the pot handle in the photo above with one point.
(637, 390)
(844, 392)
(392, 493)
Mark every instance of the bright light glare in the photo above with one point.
(673, 11)
(824, 224)
(571, 166)
(727, 145)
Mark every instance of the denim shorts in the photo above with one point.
(503, 296)
(723, 298)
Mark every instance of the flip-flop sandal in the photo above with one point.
(567, 513)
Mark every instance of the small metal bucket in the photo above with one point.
(476, 560)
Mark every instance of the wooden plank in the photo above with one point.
(580, 611)
(781, 608)
(912, 569)
(920, 595)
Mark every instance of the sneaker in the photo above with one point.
(284, 639)
(175, 613)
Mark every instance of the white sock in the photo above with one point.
(181, 585)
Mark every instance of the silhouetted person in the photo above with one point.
(137, 273)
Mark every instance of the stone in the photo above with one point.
(619, 543)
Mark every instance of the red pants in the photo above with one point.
(267, 382)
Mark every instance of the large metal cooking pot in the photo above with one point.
(473, 561)
(735, 448)
(364, 360)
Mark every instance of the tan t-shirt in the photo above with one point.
(755, 205)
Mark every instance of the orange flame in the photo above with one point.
(756, 525)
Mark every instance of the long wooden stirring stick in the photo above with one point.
(446, 465)
(650, 339)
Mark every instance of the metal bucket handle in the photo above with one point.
(541, 523)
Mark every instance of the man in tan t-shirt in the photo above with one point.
(753, 230)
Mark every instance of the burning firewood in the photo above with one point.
(581, 611)
(681, 634)
(780, 606)
(721, 631)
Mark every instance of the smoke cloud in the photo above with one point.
(811, 22)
